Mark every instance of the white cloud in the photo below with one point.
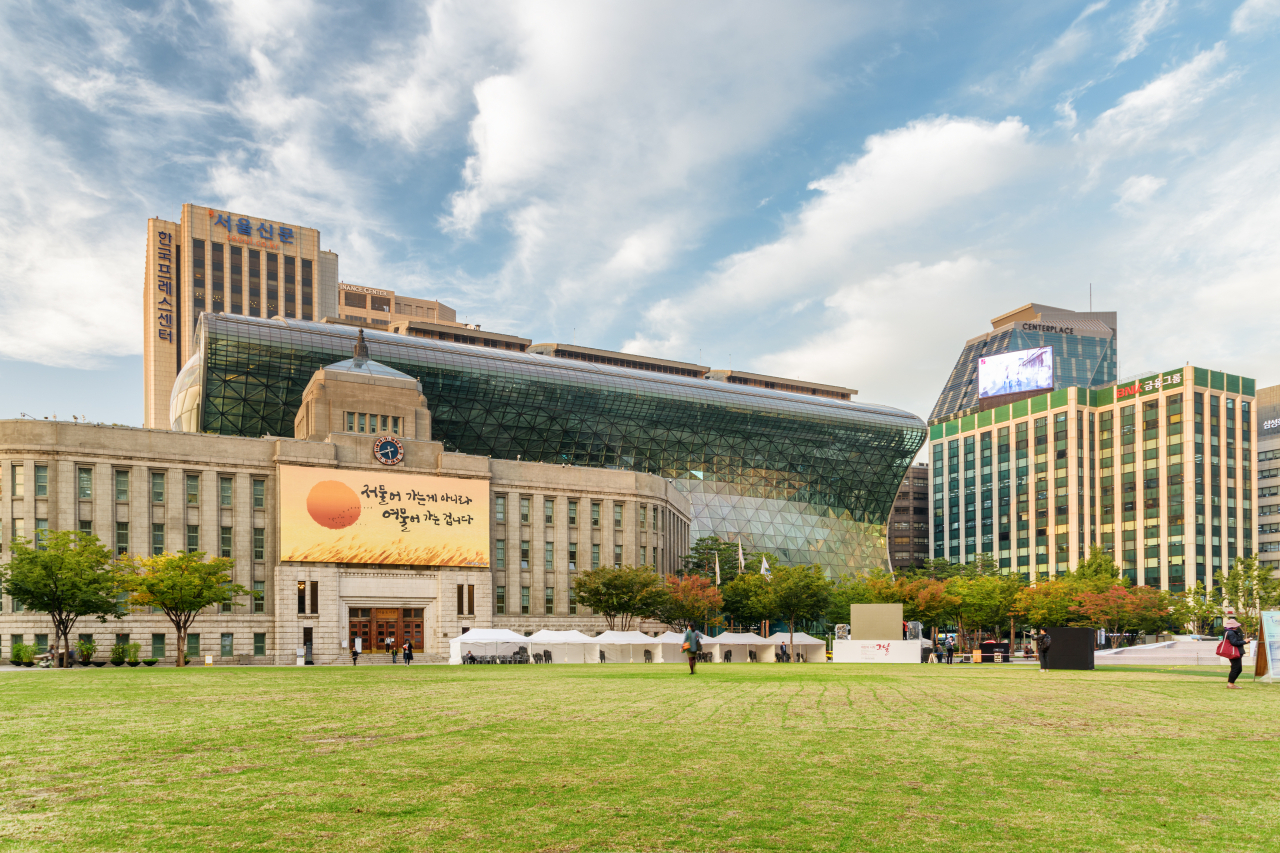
(1148, 17)
(904, 177)
(1070, 45)
(1138, 190)
(1255, 15)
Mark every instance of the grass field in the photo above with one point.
(615, 758)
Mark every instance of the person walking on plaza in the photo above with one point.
(951, 648)
(691, 647)
(408, 652)
(355, 654)
(1232, 648)
(1043, 641)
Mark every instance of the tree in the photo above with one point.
(799, 592)
(688, 601)
(1114, 611)
(1047, 604)
(701, 559)
(1098, 571)
(1194, 609)
(1250, 589)
(620, 593)
(747, 599)
(180, 585)
(68, 575)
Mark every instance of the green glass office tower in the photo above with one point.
(810, 479)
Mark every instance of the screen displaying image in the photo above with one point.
(1014, 372)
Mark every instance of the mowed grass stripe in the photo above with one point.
(738, 757)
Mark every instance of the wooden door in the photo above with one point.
(386, 624)
(362, 629)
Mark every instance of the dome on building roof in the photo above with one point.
(361, 363)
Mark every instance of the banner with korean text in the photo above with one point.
(383, 517)
(1268, 654)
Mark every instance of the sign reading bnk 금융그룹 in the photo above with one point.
(1150, 385)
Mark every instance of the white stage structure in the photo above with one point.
(814, 650)
(486, 641)
(565, 646)
(629, 647)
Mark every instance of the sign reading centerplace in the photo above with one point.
(329, 516)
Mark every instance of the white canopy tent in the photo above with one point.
(565, 646)
(670, 644)
(628, 646)
(738, 647)
(485, 641)
(814, 650)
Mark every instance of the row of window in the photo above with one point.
(226, 643)
(648, 555)
(549, 601)
(84, 486)
(364, 422)
(645, 513)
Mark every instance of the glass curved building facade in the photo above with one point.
(809, 479)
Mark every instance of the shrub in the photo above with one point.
(23, 653)
(134, 650)
(85, 649)
(118, 653)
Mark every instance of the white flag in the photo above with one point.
(742, 564)
(717, 569)
(764, 567)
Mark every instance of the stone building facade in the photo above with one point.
(144, 491)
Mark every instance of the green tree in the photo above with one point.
(180, 585)
(748, 599)
(1098, 571)
(701, 559)
(620, 594)
(1047, 604)
(68, 576)
(687, 601)
(875, 587)
(799, 592)
(1194, 609)
(1250, 589)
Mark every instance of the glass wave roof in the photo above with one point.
(810, 479)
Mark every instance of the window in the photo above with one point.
(259, 543)
(500, 600)
(86, 526)
(157, 539)
(193, 538)
(42, 481)
(617, 556)
(524, 510)
(644, 516)
(524, 600)
(19, 528)
(302, 596)
(259, 645)
(84, 483)
(224, 542)
(573, 602)
(351, 421)
(500, 508)
(15, 639)
(259, 596)
(549, 511)
(224, 491)
(193, 488)
(551, 600)
(573, 513)
(17, 477)
(193, 645)
(595, 514)
(42, 533)
(122, 538)
(122, 485)
(549, 557)
(617, 516)
(42, 644)
(315, 596)
(259, 494)
(524, 553)
(18, 606)
(157, 646)
(228, 645)
(573, 556)
(595, 555)
(500, 554)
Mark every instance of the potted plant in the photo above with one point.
(118, 652)
(134, 649)
(150, 661)
(85, 650)
(21, 654)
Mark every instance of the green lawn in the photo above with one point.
(614, 758)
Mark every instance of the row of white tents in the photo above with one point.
(632, 646)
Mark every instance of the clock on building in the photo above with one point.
(388, 450)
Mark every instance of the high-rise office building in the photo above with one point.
(1084, 356)
(217, 261)
(1268, 417)
(909, 525)
(1156, 472)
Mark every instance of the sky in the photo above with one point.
(835, 192)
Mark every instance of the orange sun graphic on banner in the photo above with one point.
(333, 505)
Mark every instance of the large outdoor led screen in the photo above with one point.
(329, 516)
(1014, 372)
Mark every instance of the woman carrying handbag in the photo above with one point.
(1232, 648)
(691, 647)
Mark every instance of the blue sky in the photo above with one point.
(839, 192)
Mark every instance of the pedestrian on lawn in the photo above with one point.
(951, 648)
(1233, 644)
(408, 652)
(691, 647)
(355, 654)
(393, 648)
(1043, 641)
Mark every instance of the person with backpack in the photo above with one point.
(1232, 648)
(691, 647)
(1043, 642)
